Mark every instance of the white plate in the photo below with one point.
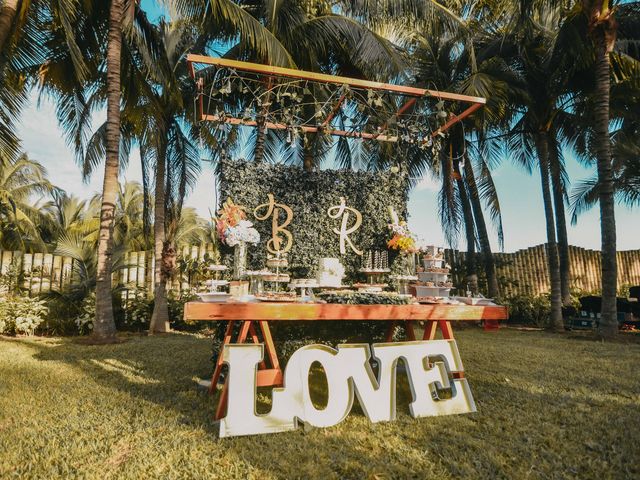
(475, 301)
(424, 291)
(214, 297)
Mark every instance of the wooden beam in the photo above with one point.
(400, 111)
(335, 79)
(334, 111)
(457, 118)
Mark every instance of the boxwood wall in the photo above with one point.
(310, 194)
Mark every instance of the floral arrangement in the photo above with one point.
(402, 240)
(233, 227)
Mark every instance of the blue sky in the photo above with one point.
(519, 192)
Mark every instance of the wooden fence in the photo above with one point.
(44, 272)
(526, 272)
(521, 272)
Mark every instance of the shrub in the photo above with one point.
(11, 278)
(529, 309)
(84, 321)
(176, 301)
(137, 309)
(21, 314)
(63, 312)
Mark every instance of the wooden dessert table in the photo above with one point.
(255, 317)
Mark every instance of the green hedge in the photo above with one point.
(310, 194)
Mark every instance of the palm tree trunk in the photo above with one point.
(261, 124)
(8, 13)
(609, 320)
(309, 149)
(483, 235)
(160, 317)
(552, 247)
(261, 133)
(470, 232)
(561, 221)
(104, 327)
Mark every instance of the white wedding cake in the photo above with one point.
(330, 272)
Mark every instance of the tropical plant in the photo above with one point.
(318, 37)
(160, 121)
(21, 314)
(22, 182)
(26, 29)
(626, 175)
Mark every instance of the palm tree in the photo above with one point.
(32, 34)
(104, 327)
(129, 222)
(191, 229)
(439, 62)
(530, 46)
(592, 29)
(157, 115)
(84, 267)
(602, 27)
(66, 213)
(21, 182)
(78, 92)
(8, 13)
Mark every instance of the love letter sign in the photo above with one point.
(428, 364)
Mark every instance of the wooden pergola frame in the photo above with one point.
(270, 72)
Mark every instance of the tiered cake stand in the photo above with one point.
(375, 280)
(213, 295)
(434, 281)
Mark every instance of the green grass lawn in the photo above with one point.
(549, 406)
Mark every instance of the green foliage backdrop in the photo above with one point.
(310, 194)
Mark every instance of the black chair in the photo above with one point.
(591, 304)
(623, 305)
(634, 292)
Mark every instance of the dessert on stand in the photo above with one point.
(375, 266)
(433, 281)
(274, 279)
(213, 295)
(256, 280)
(278, 262)
(306, 286)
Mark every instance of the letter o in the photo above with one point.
(340, 389)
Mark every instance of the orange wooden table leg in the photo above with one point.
(445, 328)
(218, 370)
(266, 377)
(256, 340)
(409, 331)
(270, 348)
(244, 331)
(221, 410)
(388, 338)
(490, 325)
(430, 329)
